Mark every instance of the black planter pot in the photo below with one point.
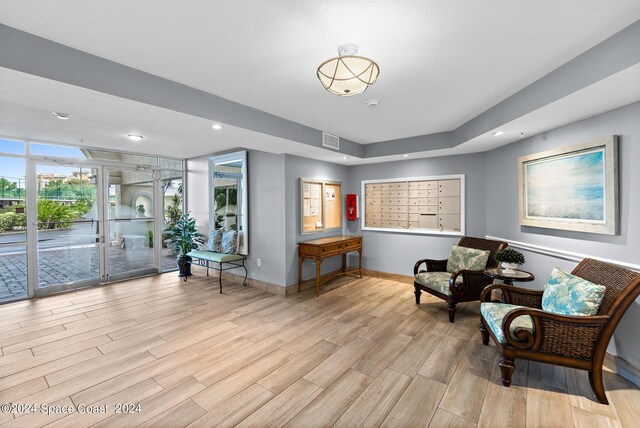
(184, 265)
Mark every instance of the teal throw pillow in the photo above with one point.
(567, 294)
(463, 258)
(215, 241)
(229, 242)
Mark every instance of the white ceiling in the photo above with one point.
(615, 91)
(442, 62)
(103, 121)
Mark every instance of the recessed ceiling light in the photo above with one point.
(216, 126)
(498, 133)
(134, 137)
(63, 116)
(345, 157)
(406, 155)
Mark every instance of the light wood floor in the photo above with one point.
(362, 354)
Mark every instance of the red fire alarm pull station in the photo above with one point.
(352, 206)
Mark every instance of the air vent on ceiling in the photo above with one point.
(330, 141)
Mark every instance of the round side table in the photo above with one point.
(508, 278)
(516, 275)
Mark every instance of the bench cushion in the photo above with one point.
(214, 257)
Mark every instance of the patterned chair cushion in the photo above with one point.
(568, 294)
(229, 242)
(438, 281)
(463, 258)
(493, 313)
(215, 241)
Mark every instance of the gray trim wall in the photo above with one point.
(397, 253)
(34, 55)
(491, 199)
(266, 211)
(296, 167)
(502, 208)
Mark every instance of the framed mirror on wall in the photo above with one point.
(320, 206)
(228, 202)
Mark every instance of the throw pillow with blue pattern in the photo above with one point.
(463, 258)
(215, 241)
(229, 241)
(567, 294)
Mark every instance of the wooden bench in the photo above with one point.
(204, 258)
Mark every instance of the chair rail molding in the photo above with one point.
(561, 254)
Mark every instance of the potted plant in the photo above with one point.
(184, 237)
(510, 259)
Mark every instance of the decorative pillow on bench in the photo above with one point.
(215, 241)
(229, 242)
(567, 294)
(463, 258)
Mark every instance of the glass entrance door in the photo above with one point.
(131, 218)
(69, 227)
(13, 233)
(73, 217)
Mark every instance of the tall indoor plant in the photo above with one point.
(184, 237)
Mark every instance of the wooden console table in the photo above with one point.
(320, 249)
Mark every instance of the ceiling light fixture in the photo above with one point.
(216, 126)
(498, 133)
(406, 155)
(348, 74)
(63, 116)
(134, 137)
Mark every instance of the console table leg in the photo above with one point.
(344, 262)
(360, 257)
(300, 260)
(318, 264)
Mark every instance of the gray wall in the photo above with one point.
(296, 167)
(397, 252)
(266, 211)
(502, 207)
(491, 209)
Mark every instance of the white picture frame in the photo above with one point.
(572, 188)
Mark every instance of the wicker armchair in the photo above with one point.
(572, 341)
(463, 285)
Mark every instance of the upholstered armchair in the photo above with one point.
(526, 331)
(456, 285)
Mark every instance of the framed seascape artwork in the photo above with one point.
(571, 188)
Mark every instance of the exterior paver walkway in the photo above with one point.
(70, 265)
